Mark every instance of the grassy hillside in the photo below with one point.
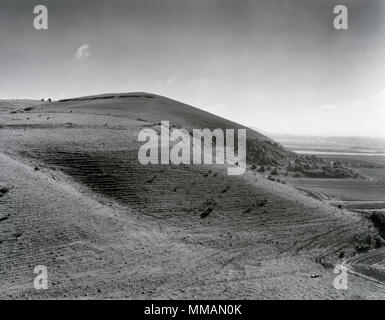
(152, 108)
(77, 200)
(261, 150)
(17, 105)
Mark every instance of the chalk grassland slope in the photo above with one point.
(152, 108)
(76, 200)
(17, 105)
(155, 108)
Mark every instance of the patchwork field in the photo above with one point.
(366, 193)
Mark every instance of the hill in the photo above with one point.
(77, 200)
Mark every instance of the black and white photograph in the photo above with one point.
(198, 150)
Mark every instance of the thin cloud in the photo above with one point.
(199, 82)
(83, 52)
(173, 79)
(328, 107)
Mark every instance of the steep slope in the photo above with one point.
(17, 105)
(154, 108)
(79, 202)
(151, 108)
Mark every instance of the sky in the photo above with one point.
(275, 65)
